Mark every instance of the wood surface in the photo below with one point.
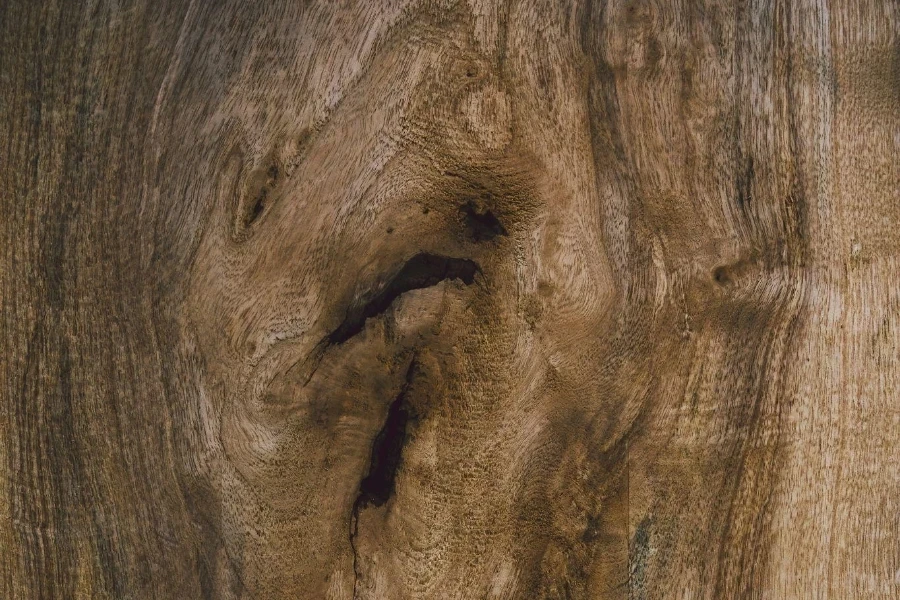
(394, 299)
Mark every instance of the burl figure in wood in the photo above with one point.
(438, 299)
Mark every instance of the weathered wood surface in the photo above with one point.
(388, 299)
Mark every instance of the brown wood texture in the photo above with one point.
(395, 299)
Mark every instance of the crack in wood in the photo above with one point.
(421, 271)
(378, 486)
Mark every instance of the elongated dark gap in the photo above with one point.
(258, 205)
(421, 271)
(378, 485)
(257, 208)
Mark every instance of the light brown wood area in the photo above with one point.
(388, 299)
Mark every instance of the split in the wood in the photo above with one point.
(258, 204)
(421, 271)
(377, 487)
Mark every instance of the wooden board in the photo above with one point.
(434, 299)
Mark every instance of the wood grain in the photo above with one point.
(436, 299)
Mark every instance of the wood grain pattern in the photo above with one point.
(450, 299)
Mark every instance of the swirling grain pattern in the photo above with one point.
(412, 299)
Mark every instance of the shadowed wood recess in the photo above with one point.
(438, 299)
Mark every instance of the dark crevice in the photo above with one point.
(377, 487)
(481, 223)
(421, 271)
(257, 206)
(354, 530)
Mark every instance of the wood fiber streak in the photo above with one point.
(411, 299)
